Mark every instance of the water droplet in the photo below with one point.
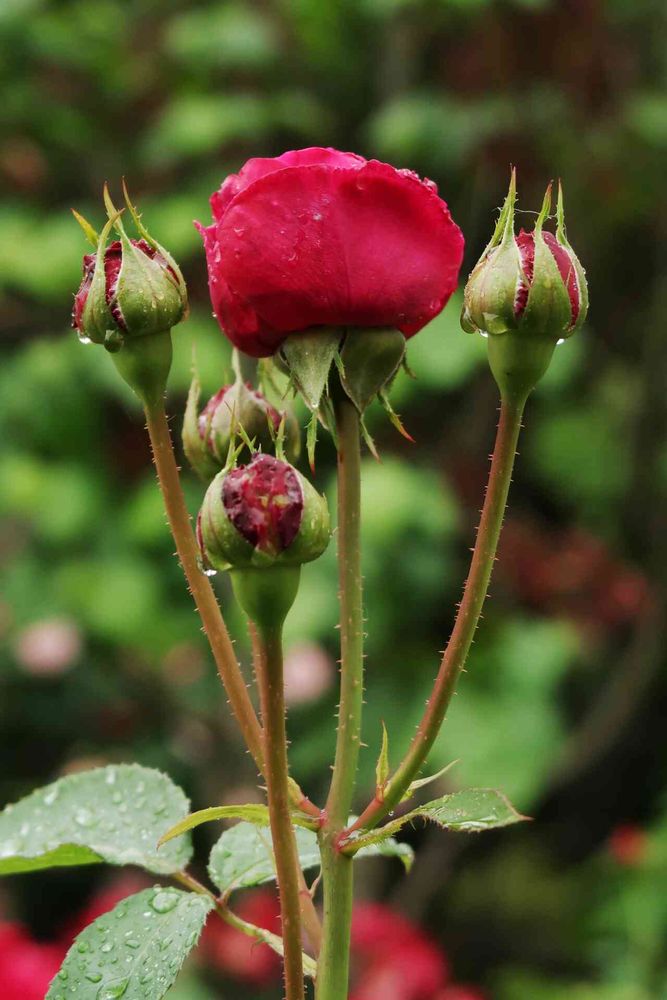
(484, 334)
(164, 901)
(133, 943)
(93, 977)
(51, 796)
(107, 947)
(64, 975)
(112, 991)
(83, 339)
(84, 817)
(210, 572)
(561, 340)
(83, 946)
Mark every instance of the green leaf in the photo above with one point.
(113, 814)
(472, 810)
(136, 950)
(389, 848)
(253, 813)
(243, 856)
(309, 357)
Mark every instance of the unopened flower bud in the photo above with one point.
(526, 294)
(262, 514)
(131, 295)
(130, 288)
(235, 408)
(262, 521)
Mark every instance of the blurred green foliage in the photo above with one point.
(563, 702)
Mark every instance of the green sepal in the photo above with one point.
(368, 439)
(393, 416)
(370, 359)
(582, 284)
(194, 445)
(309, 356)
(311, 440)
(97, 319)
(488, 298)
(90, 233)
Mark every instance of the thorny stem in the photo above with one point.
(309, 916)
(272, 700)
(333, 967)
(200, 587)
(470, 609)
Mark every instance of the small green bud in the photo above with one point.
(527, 293)
(235, 408)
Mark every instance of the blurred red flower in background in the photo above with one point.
(27, 966)
(627, 845)
(571, 573)
(392, 958)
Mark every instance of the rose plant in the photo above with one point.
(322, 265)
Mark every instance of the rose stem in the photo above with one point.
(474, 594)
(309, 916)
(272, 700)
(333, 966)
(199, 584)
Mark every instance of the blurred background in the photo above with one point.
(564, 701)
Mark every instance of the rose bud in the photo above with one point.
(130, 288)
(131, 295)
(526, 294)
(262, 521)
(207, 436)
(322, 245)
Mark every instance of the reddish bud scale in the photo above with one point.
(264, 502)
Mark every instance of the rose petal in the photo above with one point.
(361, 246)
(260, 166)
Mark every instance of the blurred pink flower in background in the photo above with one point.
(309, 673)
(48, 648)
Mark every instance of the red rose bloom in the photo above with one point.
(317, 237)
